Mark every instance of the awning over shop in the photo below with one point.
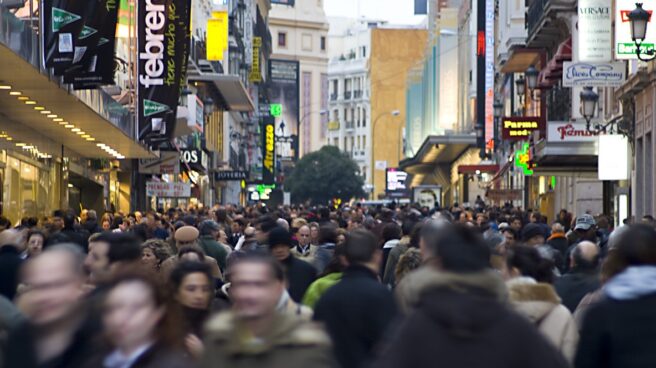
(565, 159)
(520, 59)
(437, 150)
(553, 73)
(231, 89)
(28, 85)
(475, 169)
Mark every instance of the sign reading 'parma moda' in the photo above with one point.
(520, 128)
(163, 44)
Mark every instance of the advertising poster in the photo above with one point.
(268, 151)
(427, 196)
(62, 22)
(285, 91)
(163, 49)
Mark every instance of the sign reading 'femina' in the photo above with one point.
(163, 44)
(582, 74)
(521, 127)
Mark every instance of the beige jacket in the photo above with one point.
(541, 305)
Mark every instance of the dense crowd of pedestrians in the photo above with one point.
(350, 287)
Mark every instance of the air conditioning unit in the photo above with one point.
(12, 4)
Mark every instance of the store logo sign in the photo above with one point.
(61, 17)
(154, 48)
(520, 128)
(152, 107)
(580, 74)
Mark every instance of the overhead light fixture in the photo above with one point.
(4, 86)
(58, 119)
(46, 112)
(90, 139)
(63, 123)
(79, 133)
(30, 102)
(28, 147)
(9, 138)
(85, 136)
(52, 116)
(75, 130)
(23, 98)
(69, 126)
(20, 144)
(39, 108)
(15, 93)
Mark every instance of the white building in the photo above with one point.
(349, 108)
(300, 33)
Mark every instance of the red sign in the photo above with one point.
(480, 44)
(520, 128)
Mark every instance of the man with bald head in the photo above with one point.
(583, 276)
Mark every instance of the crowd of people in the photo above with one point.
(350, 287)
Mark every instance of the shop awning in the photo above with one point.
(26, 81)
(565, 159)
(520, 59)
(437, 150)
(553, 73)
(231, 89)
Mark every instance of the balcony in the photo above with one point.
(347, 95)
(350, 125)
(333, 97)
(547, 21)
(357, 94)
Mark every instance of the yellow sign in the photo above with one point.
(256, 75)
(217, 35)
(333, 125)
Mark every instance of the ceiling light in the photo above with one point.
(75, 130)
(15, 93)
(91, 139)
(9, 138)
(46, 112)
(23, 98)
(30, 102)
(20, 144)
(39, 108)
(58, 119)
(52, 116)
(101, 145)
(4, 86)
(85, 136)
(28, 147)
(69, 126)
(79, 133)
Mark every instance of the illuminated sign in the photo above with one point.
(268, 151)
(255, 74)
(396, 180)
(523, 160)
(260, 192)
(217, 35)
(275, 110)
(520, 128)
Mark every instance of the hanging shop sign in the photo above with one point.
(163, 49)
(524, 159)
(613, 157)
(217, 35)
(520, 128)
(93, 61)
(284, 92)
(231, 175)
(62, 23)
(504, 195)
(570, 131)
(168, 190)
(268, 151)
(624, 46)
(591, 74)
(167, 163)
(595, 38)
(256, 73)
(489, 70)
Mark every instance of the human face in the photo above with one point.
(223, 237)
(235, 228)
(53, 290)
(148, 258)
(280, 252)
(304, 236)
(253, 290)
(314, 235)
(131, 315)
(260, 236)
(516, 224)
(341, 239)
(35, 245)
(508, 239)
(96, 262)
(195, 291)
(106, 225)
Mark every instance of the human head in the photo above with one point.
(636, 247)
(54, 285)
(341, 236)
(586, 227)
(360, 248)
(238, 226)
(281, 222)
(533, 235)
(314, 232)
(107, 251)
(154, 252)
(303, 235)
(264, 225)
(186, 235)
(454, 247)
(391, 231)
(585, 256)
(191, 284)
(516, 223)
(191, 253)
(526, 261)
(557, 228)
(35, 242)
(408, 262)
(509, 237)
(328, 234)
(257, 281)
(135, 312)
(280, 240)
(209, 228)
(91, 215)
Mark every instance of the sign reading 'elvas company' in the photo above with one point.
(583, 74)
(521, 127)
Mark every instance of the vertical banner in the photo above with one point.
(163, 35)
(255, 75)
(93, 64)
(61, 23)
(284, 90)
(594, 30)
(268, 150)
(480, 76)
(217, 35)
(489, 72)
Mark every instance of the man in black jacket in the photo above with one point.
(299, 274)
(457, 315)
(583, 277)
(359, 309)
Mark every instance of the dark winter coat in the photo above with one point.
(10, 263)
(357, 312)
(212, 248)
(460, 321)
(575, 285)
(300, 275)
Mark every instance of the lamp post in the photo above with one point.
(589, 101)
(498, 113)
(639, 19)
(532, 78)
(521, 90)
(373, 143)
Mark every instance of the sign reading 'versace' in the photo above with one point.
(162, 40)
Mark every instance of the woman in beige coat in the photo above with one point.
(532, 295)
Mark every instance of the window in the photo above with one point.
(364, 118)
(282, 39)
(345, 114)
(363, 51)
(364, 142)
(359, 142)
(323, 43)
(336, 142)
(345, 142)
(352, 115)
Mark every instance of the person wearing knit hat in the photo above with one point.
(533, 235)
(299, 274)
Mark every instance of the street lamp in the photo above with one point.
(532, 77)
(589, 101)
(498, 113)
(521, 86)
(639, 19)
(395, 112)
(498, 109)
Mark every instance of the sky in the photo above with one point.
(394, 11)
